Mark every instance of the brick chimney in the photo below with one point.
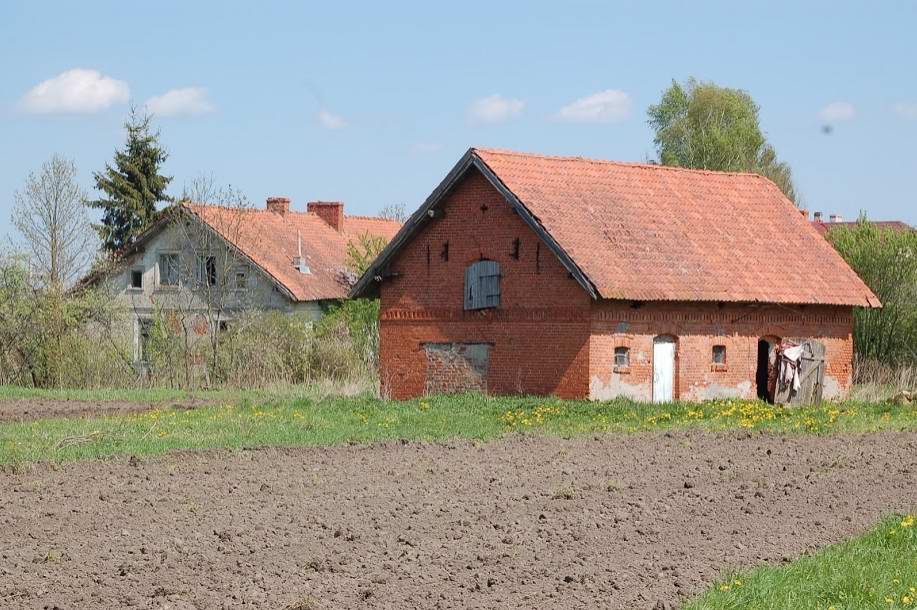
(278, 205)
(816, 217)
(836, 218)
(331, 212)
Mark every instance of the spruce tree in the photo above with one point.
(132, 188)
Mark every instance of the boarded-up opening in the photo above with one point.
(453, 368)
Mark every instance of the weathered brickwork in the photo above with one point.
(697, 328)
(540, 332)
(457, 367)
(549, 337)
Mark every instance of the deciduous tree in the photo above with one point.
(50, 216)
(704, 126)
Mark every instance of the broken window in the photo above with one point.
(137, 279)
(168, 269)
(482, 285)
(207, 270)
(719, 355)
(622, 357)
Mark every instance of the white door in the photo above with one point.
(663, 369)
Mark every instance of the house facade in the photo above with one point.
(525, 274)
(202, 266)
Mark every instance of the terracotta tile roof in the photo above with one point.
(894, 225)
(647, 232)
(271, 241)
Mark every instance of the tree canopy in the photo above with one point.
(704, 126)
(50, 217)
(886, 259)
(133, 186)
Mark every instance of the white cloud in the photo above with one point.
(329, 120)
(493, 109)
(835, 112)
(606, 106)
(180, 102)
(76, 91)
(906, 110)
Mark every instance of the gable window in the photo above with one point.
(482, 285)
(136, 279)
(168, 269)
(240, 281)
(207, 270)
(622, 357)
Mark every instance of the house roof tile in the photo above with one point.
(650, 232)
(272, 240)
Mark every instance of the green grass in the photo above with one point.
(264, 420)
(876, 571)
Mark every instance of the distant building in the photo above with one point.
(203, 265)
(527, 274)
(836, 222)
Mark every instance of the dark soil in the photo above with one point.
(36, 408)
(610, 522)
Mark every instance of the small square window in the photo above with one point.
(241, 277)
(622, 357)
(137, 279)
(719, 355)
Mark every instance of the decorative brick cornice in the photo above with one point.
(730, 317)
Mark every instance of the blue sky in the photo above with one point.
(372, 103)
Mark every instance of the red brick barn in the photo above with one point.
(526, 274)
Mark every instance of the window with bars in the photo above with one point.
(622, 357)
(482, 285)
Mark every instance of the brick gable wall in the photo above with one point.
(539, 334)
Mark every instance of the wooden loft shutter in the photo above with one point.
(482, 285)
(470, 287)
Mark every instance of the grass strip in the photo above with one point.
(876, 571)
(287, 422)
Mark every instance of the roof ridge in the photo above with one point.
(241, 209)
(360, 216)
(653, 166)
